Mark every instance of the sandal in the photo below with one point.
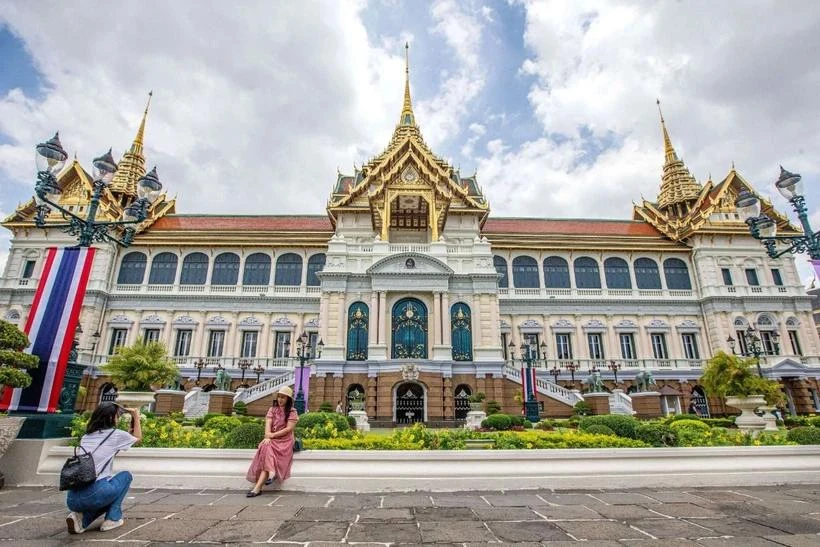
(268, 482)
(252, 494)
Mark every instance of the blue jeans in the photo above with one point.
(104, 496)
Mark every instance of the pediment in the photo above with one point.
(410, 264)
(790, 367)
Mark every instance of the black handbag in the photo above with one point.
(78, 471)
(298, 446)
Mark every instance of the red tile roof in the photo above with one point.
(260, 223)
(570, 226)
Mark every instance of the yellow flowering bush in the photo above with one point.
(565, 439)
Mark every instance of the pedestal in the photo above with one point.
(748, 421)
(361, 420)
(769, 417)
(598, 403)
(168, 400)
(135, 399)
(646, 404)
(220, 402)
(474, 419)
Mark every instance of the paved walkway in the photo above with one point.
(751, 517)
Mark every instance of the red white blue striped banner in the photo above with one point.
(50, 326)
(527, 383)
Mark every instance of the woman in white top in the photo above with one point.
(105, 495)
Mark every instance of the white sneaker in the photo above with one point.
(111, 524)
(74, 522)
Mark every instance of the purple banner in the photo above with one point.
(303, 382)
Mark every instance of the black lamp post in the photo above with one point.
(305, 352)
(752, 346)
(765, 229)
(572, 367)
(531, 403)
(199, 365)
(258, 369)
(50, 159)
(244, 364)
(614, 367)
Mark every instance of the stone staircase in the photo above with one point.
(264, 389)
(551, 390)
(620, 403)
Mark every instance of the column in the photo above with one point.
(323, 318)
(445, 304)
(373, 320)
(437, 319)
(382, 317)
(340, 319)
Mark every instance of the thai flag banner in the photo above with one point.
(527, 382)
(50, 326)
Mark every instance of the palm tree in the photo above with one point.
(140, 366)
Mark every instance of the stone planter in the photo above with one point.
(357, 405)
(135, 399)
(748, 421)
(769, 417)
(477, 406)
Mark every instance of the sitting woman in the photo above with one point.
(105, 495)
(274, 455)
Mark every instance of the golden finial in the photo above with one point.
(132, 165)
(141, 130)
(407, 117)
(669, 151)
(733, 165)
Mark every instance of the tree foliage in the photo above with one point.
(730, 375)
(140, 366)
(14, 364)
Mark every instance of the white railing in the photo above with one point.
(620, 403)
(408, 248)
(553, 391)
(196, 403)
(263, 389)
(260, 290)
(584, 367)
(594, 293)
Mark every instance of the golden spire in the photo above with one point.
(407, 116)
(132, 164)
(678, 186)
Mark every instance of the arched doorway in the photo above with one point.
(409, 329)
(409, 404)
(700, 401)
(108, 393)
(462, 401)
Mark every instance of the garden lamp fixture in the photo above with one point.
(304, 351)
(751, 345)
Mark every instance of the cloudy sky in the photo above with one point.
(256, 104)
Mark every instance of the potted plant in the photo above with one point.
(733, 379)
(14, 366)
(136, 369)
(356, 400)
(476, 401)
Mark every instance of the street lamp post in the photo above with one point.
(244, 364)
(531, 403)
(199, 365)
(752, 346)
(305, 352)
(765, 229)
(555, 371)
(572, 367)
(614, 367)
(258, 369)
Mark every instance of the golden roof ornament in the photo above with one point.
(678, 186)
(132, 165)
(407, 116)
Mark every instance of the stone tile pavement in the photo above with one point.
(712, 517)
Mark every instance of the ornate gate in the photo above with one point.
(108, 393)
(700, 401)
(409, 404)
(462, 401)
(409, 329)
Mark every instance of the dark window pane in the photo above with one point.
(677, 274)
(132, 269)
(194, 269)
(316, 263)
(616, 271)
(525, 272)
(647, 275)
(288, 270)
(226, 269)
(556, 273)
(501, 268)
(163, 269)
(257, 270)
(587, 274)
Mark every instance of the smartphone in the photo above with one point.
(120, 410)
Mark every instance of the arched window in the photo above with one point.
(501, 268)
(587, 275)
(357, 322)
(616, 271)
(462, 334)
(132, 269)
(316, 263)
(194, 269)
(556, 273)
(525, 272)
(163, 269)
(677, 274)
(226, 269)
(647, 275)
(288, 270)
(257, 270)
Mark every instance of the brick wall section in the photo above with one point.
(221, 402)
(169, 401)
(598, 402)
(646, 405)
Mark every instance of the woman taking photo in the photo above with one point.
(105, 495)
(274, 455)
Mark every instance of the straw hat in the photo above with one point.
(286, 390)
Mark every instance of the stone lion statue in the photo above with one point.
(643, 381)
(594, 383)
(223, 380)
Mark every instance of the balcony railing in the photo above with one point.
(513, 293)
(259, 290)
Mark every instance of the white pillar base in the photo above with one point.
(361, 420)
(474, 419)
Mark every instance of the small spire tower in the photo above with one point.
(679, 189)
(132, 164)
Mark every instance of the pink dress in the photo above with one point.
(275, 457)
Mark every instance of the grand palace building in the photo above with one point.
(421, 297)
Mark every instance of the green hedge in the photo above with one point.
(804, 435)
(245, 436)
(599, 429)
(656, 434)
(622, 426)
(498, 422)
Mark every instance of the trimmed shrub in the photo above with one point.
(351, 421)
(796, 421)
(804, 435)
(202, 420)
(311, 419)
(623, 426)
(326, 406)
(656, 434)
(498, 422)
(222, 424)
(689, 424)
(545, 425)
(245, 436)
(240, 408)
(527, 424)
(581, 408)
(718, 422)
(599, 429)
(675, 417)
(814, 421)
(493, 408)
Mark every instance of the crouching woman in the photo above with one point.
(274, 455)
(105, 495)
